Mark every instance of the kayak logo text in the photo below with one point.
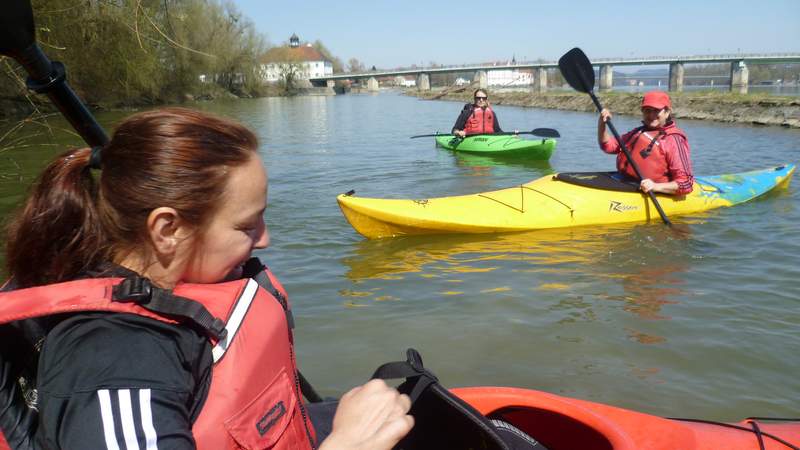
(620, 207)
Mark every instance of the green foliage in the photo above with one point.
(123, 52)
(337, 64)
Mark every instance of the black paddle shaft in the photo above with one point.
(579, 73)
(18, 41)
(541, 132)
(631, 160)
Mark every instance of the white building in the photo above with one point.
(509, 77)
(306, 62)
(405, 81)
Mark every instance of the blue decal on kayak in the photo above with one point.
(741, 187)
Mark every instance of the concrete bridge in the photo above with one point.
(739, 74)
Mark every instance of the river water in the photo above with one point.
(703, 324)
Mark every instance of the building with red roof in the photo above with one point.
(304, 60)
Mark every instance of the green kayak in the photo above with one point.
(500, 145)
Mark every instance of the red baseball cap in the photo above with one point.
(657, 100)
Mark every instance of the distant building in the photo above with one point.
(306, 61)
(509, 77)
(405, 81)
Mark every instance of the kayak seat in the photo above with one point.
(554, 430)
(609, 181)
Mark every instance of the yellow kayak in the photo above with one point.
(553, 201)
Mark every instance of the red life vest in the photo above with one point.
(254, 400)
(480, 121)
(646, 149)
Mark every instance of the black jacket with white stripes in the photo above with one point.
(119, 381)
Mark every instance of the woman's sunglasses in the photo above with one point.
(477, 99)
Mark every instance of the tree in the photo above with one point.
(152, 50)
(335, 62)
(354, 65)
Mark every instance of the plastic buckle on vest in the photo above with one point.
(218, 330)
(133, 290)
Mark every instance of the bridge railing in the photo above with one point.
(720, 58)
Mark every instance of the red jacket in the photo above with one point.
(254, 400)
(661, 154)
(480, 121)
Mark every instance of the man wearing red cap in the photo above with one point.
(659, 148)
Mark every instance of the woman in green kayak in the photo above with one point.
(477, 117)
(659, 148)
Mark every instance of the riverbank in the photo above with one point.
(755, 109)
(22, 107)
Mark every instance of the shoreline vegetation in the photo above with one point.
(123, 55)
(754, 109)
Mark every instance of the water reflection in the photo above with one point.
(578, 270)
(479, 162)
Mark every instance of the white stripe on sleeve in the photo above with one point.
(147, 420)
(108, 419)
(126, 414)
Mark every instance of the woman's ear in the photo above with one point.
(166, 230)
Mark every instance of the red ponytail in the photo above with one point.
(46, 243)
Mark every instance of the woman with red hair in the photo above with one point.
(145, 322)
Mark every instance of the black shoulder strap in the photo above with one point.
(646, 152)
(139, 290)
(256, 270)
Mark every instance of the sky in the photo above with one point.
(400, 33)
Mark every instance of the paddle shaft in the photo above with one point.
(504, 133)
(541, 132)
(630, 160)
(50, 78)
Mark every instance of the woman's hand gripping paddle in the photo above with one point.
(577, 70)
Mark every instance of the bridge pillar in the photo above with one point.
(676, 77)
(606, 77)
(740, 76)
(481, 78)
(540, 80)
(372, 85)
(423, 82)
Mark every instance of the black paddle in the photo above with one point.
(541, 132)
(18, 41)
(577, 70)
